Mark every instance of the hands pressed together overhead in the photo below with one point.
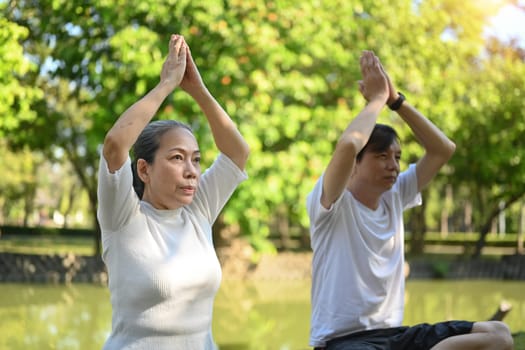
(179, 68)
(175, 64)
(376, 83)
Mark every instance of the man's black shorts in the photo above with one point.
(419, 337)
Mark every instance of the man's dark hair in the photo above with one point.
(381, 138)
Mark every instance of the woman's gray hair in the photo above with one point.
(147, 145)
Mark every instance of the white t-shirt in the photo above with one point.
(162, 266)
(357, 267)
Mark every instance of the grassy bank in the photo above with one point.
(47, 245)
(48, 241)
(519, 340)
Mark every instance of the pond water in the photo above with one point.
(248, 315)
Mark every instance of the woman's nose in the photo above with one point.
(190, 170)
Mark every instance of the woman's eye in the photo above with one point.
(177, 157)
(197, 159)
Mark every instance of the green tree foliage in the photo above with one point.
(19, 184)
(286, 72)
(492, 167)
(16, 95)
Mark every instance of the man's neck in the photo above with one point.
(367, 196)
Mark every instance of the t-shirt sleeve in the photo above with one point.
(316, 212)
(117, 199)
(407, 187)
(216, 186)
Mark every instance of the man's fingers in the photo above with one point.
(361, 85)
(368, 62)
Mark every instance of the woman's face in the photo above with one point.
(172, 180)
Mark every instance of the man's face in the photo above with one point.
(380, 169)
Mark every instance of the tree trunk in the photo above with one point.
(519, 243)
(418, 228)
(69, 208)
(93, 204)
(445, 213)
(283, 226)
(29, 202)
(485, 228)
(480, 244)
(97, 233)
(502, 227)
(467, 220)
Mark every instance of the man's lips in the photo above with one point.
(391, 178)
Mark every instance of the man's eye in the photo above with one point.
(197, 159)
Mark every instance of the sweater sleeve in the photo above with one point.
(117, 199)
(216, 186)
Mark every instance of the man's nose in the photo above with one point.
(393, 164)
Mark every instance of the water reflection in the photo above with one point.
(53, 317)
(262, 315)
(434, 301)
(248, 316)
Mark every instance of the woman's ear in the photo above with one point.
(143, 170)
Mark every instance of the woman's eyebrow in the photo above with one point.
(183, 150)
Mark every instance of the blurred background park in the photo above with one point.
(287, 72)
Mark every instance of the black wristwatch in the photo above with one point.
(397, 103)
